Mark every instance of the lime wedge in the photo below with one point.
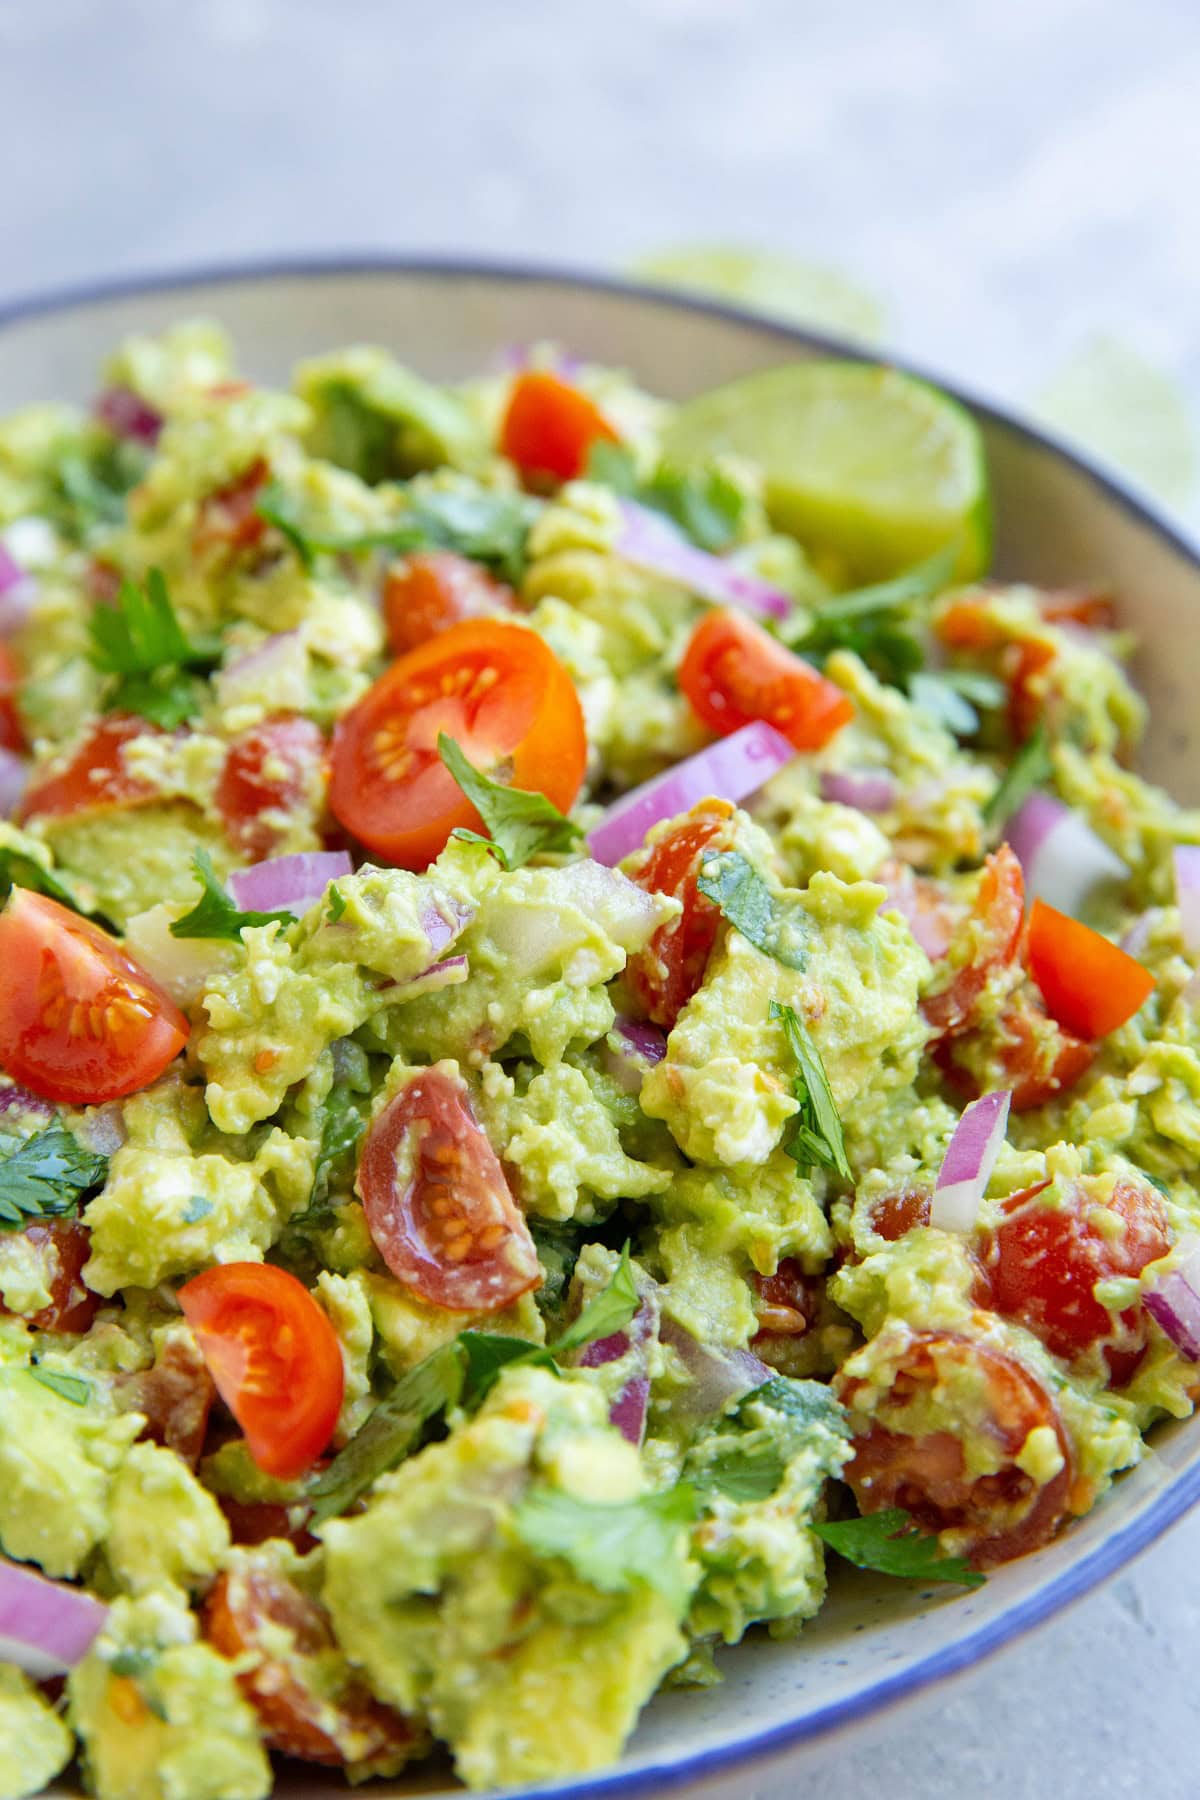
(870, 469)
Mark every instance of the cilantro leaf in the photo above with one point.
(880, 623)
(817, 1129)
(198, 1207)
(747, 902)
(342, 1124)
(703, 502)
(488, 527)
(94, 484)
(1028, 769)
(889, 1542)
(520, 824)
(807, 1402)
(605, 1313)
(951, 696)
(46, 1175)
(337, 903)
(19, 870)
(141, 642)
(617, 1546)
(742, 1472)
(487, 1354)
(68, 1387)
(215, 915)
(392, 1432)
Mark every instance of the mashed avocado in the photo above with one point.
(464, 1257)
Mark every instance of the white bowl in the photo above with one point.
(1059, 521)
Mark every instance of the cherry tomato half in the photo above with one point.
(500, 692)
(987, 939)
(437, 1203)
(12, 737)
(734, 672)
(1000, 1515)
(666, 974)
(275, 1359)
(228, 519)
(1043, 1263)
(549, 426)
(62, 1247)
(96, 775)
(1089, 985)
(1025, 1050)
(432, 589)
(268, 771)
(79, 1020)
(175, 1394)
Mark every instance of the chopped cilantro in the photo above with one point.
(1028, 769)
(742, 1472)
(816, 1135)
(215, 915)
(134, 1661)
(487, 1354)
(951, 696)
(198, 1207)
(68, 1387)
(46, 1176)
(392, 1432)
(19, 870)
(140, 642)
(488, 527)
(879, 623)
(889, 1542)
(613, 1547)
(747, 902)
(608, 1311)
(94, 484)
(808, 1402)
(520, 824)
(704, 503)
(342, 1125)
(337, 903)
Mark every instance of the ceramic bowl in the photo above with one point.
(1059, 521)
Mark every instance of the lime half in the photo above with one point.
(870, 469)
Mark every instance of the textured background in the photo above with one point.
(1012, 181)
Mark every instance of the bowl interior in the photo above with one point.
(1058, 522)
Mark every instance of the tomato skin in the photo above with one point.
(901, 1211)
(63, 1246)
(550, 426)
(269, 769)
(500, 692)
(430, 590)
(1000, 1516)
(990, 938)
(228, 519)
(1089, 985)
(1043, 1263)
(734, 672)
(175, 1394)
(666, 974)
(1035, 1064)
(450, 1228)
(281, 1638)
(95, 777)
(80, 1021)
(275, 1359)
(12, 736)
(788, 1301)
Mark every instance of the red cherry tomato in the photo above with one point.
(268, 771)
(1001, 1515)
(500, 692)
(275, 1358)
(258, 1521)
(1044, 1261)
(666, 974)
(12, 736)
(988, 939)
(1089, 985)
(95, 777)
(426, 592)
(549, 426)
(1033, 1057)
(79, 1020)
(788, 1301)
(734, 672)
(282, 1641)
(62, 1248)
(228, 519)
(437, 1203)
(901, 1211)
(176, 1396)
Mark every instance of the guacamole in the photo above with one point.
(590, 1015)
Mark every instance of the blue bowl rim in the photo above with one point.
(1184, 1490)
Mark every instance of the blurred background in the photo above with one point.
(1003, 190)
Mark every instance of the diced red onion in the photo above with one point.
(870, 790)
(968, 1163)
(431, 980)
(103, 1128)
(46, 1627)
(1187, 893)
(14, 778)
(719, 1376)
(638, 1047)
(11, 572)
(17, 590)
(649, 541)
(625, 912)
(127, 415)
(926, 922)
(731, 769)
(19, 1099)
(1062, 859)
(628, 1409)
(288, 883)
(443, 919)
(1173, 1302)
(1138, 936)
(252, 673)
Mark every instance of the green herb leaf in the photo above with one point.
(342, 1125)
(881, 624)
(198, 1207)
(520, 824)
(742, 1472)
(808, 1402)
(215, 915)
(490, 528)
(337, 903)
(817, 1131)
(488, 1354)
(606, 1312)
(1028, 769)
(747, 902)
(951, 696)
(46, 1176)
(133, 1662)
(19, 870)
(140, 641)
(68, 1387)
(392, 1432)
(614, 1547)
(703, 502)
(95, 484)
(889, 1542)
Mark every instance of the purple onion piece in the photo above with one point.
(103, 1128)
(443, 919)
(719, 1375)
(46, 1627)
(1061, 857)
(291, 883)
(18, 1099)
(869, 790)
(127, 415)
(1137, 938)
(968, 1163)
(14, 778)
(628, 1410)
(1174, 1304)
(254, 669)
(924, 923)
(1187, 893)
(638, 1047)
(438, 975)
(651, 542)
(11, 572)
